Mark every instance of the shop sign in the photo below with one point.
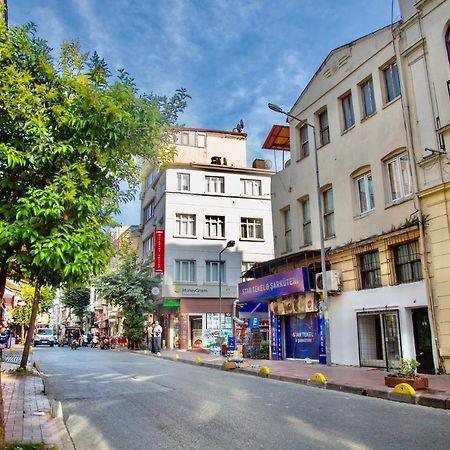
(302, 336)
(171, 302)
(277, 285)
(253, 322)
(276, 341)
(158, 246)
(198, 291)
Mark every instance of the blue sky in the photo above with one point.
(233, 57)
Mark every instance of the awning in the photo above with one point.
(278, 139)
(257, 307)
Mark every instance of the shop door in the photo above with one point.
(392, 339)
(196, 331)
(302, 336)
(422, 340)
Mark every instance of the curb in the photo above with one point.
(383, 394)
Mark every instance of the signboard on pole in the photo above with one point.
(159, 251)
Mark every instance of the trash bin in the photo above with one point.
(224, 349)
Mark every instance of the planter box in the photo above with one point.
(417, 382)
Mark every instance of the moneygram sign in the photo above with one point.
(272, 286)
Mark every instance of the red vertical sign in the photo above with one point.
(159, 250)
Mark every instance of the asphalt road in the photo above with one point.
(127, 401)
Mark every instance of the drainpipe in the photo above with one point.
(411, 155)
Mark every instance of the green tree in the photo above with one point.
(22, 314)
(77, 300)
(129, 286)
(68, 137)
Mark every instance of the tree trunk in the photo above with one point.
(4, 16)
(26, 348)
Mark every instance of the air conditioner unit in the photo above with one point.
(333, 281)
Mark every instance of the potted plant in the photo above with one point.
(407, 373)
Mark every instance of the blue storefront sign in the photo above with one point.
(253, 322)
(322, 340)
(302, 336)
(276, 339)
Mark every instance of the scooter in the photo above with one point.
(104, 343)
(94, 342)
(74, 344)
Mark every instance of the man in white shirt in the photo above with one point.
(157, 332)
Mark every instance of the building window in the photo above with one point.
(391, 82)
(347, 111)
(328, 212)
(399, 177)
(185, 225)
(183, 182)
(215, 226)
(447, 43)
(215, 185)
(306, 217)
(364, 187)
(212, 271)
(368, 98)
(287, 229)
(251, 187)
(408, 267)
(324, 129)
(251, 228)
(148, 212)
(184, 271)
(304, 142)
(149, 178)
(246, 266)
(147, 246)
(370, 270)
(190, 138)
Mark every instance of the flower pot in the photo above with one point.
(418, 382)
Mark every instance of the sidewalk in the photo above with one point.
(357, 380)
(27, 408)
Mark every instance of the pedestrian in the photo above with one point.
(156, 340)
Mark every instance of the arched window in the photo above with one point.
(447, 43)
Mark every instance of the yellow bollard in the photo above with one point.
(158, 354)
(404, 388)
(198, 359)
(176, 357)
(318, 377)
(264, 371)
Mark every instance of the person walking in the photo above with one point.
(156, 339)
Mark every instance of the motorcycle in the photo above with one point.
(94, 342)
(105, 344)
(74, 344)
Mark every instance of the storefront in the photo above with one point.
(296, 328)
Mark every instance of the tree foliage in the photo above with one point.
(69, 135)
(22, 314)
(129, 286)
(78, 300)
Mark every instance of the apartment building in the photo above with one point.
(192, 212)
(378, 304)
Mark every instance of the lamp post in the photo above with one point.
(324, 304)
(228, 245)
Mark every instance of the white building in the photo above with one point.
(204, 199)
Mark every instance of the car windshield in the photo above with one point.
(45, 332)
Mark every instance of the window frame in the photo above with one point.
(391, 79)
(249, 184)
(214, 181)
(368, 99)
(369, 195)
(209, 266)
(249, 224)
(148, 212)
(324, 129)
(147, 246)
(219, 223)
(303, 134)
(192, 271)
(187, 220)
(370, 274)
(328, 214)
(287, 222)
(181, 176)
(348, 114)
(398, 175)
(413, 262)
(306, 225)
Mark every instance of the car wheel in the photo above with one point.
(51, 345)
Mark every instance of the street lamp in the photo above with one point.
(324, 307)
(229, 244)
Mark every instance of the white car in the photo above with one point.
(44, 336)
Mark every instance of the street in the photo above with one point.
(121, 400)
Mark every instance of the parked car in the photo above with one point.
(44, 336)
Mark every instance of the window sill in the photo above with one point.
(363, 215)
(322, 145)
(326, 238)
(214, 238)
(389, 103)
(184, 237)
(191, 283)
(251, 240)
(364, 119)
(408, 198)
(301, 247)
(346, 130)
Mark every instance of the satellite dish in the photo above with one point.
(155, 290)
(268, 164)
